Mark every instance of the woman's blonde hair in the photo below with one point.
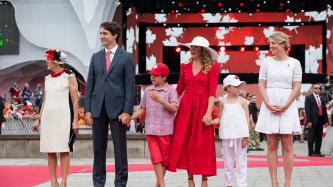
(206, 60)
(280, 38)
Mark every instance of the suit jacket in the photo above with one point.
(312, 110)
(115, 88)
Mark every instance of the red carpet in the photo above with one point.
(24, 176)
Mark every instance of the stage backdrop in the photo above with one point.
(233, 61)
(307, 40)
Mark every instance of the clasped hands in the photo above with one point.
(124, 118)
(276, 108)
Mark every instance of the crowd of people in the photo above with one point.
(20, 103)
(180, 123)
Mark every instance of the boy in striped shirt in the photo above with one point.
(160, 102)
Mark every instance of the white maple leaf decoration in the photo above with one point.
(221, 32)
(210, 18)
(172, 41)
(316, 16)
(291, 19)
(329, 10)
(328, 34)
(150, 62)
(312, 55)
(137, 33)
(150, 37)
(222, 57)
(130, 39)
(228, 19)
(269, 31)
(160, 18)
(174, 31)
(129, 12)
(185, 56)
(262, 56)
(249, 40)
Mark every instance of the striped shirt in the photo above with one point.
(159, 121)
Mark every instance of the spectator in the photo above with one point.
(254, 136)
(14, 93)
(38, 96)
(316, 119)
(7, 110)
(26, 94)
(28, 112)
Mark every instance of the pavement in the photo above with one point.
(303, 176)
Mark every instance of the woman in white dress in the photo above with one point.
(59, 115)
(280, 79)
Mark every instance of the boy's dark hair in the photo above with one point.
(113, 27)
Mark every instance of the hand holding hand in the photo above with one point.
(124, 118)
(207, 119)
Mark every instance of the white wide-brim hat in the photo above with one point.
(202, 42)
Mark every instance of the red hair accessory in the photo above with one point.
(55, 55)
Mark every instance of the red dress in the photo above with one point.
(193, 144)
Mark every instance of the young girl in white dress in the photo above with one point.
(280, 79)
(234, 131)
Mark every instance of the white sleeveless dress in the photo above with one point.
(56, 118)
(279, 76)
(233, 123)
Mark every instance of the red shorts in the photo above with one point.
(159, 148)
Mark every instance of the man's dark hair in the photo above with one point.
(113, 27)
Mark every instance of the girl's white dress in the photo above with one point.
(233, 123)
(279, 76)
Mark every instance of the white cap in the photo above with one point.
(232, 80)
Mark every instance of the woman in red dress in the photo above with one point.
(193, 144)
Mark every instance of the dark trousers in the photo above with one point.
(100, 140)
(315, 135)
(262, 137)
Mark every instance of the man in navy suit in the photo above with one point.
(109, 101)
(316, 118)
